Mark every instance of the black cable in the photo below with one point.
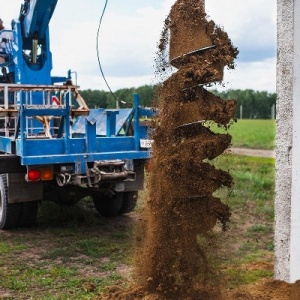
(98, 57)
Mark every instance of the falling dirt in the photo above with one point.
(181, 209)
(181, 204)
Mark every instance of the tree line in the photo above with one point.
(251, 104)
(105, 99)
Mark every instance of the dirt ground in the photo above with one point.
(252, 152)
(267, 290)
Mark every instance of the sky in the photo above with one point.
(130, 31)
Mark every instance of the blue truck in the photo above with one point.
(52, 146)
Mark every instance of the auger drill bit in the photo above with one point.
(179, 60)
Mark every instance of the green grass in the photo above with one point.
(254, 180)
(256, 134)
(249, 239)
(77, 258)
(74, 253)
(65, 257)
(240, 276)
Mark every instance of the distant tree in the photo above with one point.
(147, 94)
(125, 95)
(105, 99)
(95, 98)
(256, 104)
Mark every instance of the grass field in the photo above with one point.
(248, 254)
(73, 253)
(256, 134)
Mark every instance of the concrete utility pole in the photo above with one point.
(287, 199)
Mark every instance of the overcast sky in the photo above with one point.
(131, 29)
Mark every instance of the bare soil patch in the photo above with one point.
(252, 152)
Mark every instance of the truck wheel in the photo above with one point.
(66, 195)
(67, 198)
(28, 213)
(9, 212)
(129, 202)
(108, 206)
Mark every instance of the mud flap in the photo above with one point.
(21, 191)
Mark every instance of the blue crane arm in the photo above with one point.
(32, 44)
(35, 16)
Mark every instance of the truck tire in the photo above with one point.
(9, 212)
(28, 213)
(66, 195)
(108, 206)
(129, 202)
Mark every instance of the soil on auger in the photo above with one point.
(181, 205)
(181, 208)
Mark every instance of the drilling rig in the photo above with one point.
(52, 146)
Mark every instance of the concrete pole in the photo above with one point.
(295, 199)
(287, 196)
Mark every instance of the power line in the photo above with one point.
(98, 56)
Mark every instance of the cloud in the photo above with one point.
(9, 11)
(127, 46)
(130, 31)
(257, 75)
(251, 25)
